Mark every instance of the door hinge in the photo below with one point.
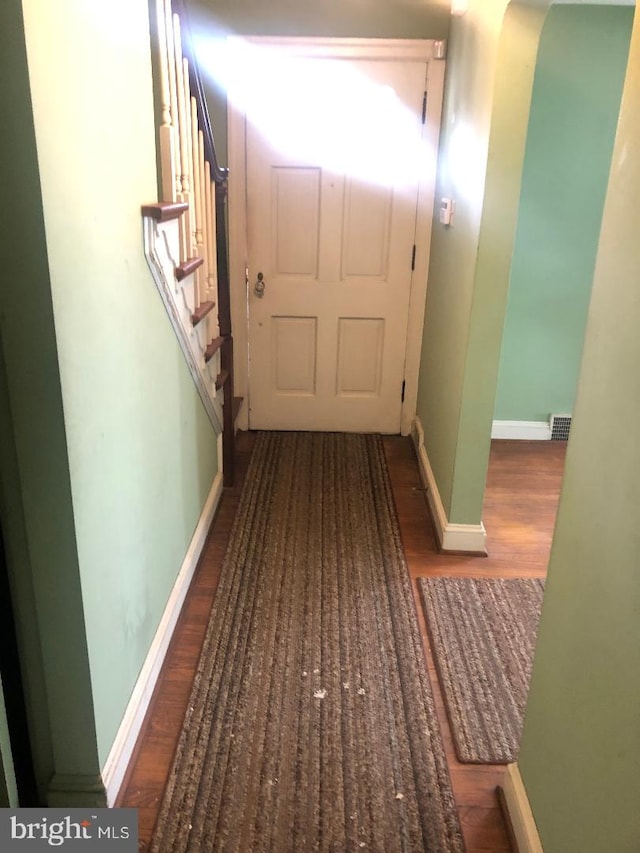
(424, 108)
(403, 389)
(413, 258)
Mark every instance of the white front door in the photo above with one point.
(334, 156)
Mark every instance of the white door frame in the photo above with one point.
(427, 50)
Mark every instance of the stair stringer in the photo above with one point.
(162, 251)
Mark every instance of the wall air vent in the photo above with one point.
(560, 426)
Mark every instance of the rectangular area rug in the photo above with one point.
(311, 725)
(483, 634)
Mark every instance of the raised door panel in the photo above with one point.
(295, 220)
(367, 215)
(294, 355)
(360, 352)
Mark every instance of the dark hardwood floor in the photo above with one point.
(519, 514)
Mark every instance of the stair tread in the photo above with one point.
(213, 348)
(165, 210)
(187, 267)
(201, 312)
(221, 378)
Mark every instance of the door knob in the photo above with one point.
(258, 287)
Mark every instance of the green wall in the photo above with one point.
(388, 18)
(581, 745)
(8, 789)
(36, 500)
(491, 61)
(571, 132)
(114, 454)
(471, 60)
(142, 455)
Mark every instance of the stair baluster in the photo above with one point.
(188, 254)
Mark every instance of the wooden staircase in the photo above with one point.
(185, 237)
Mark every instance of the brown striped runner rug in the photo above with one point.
(483, 635)
(311, 725)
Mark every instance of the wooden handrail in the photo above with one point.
(219, 173)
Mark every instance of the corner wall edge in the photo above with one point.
(519, 810)
(466, 538)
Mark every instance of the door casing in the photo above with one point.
(427, 50)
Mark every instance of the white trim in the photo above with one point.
(469, 538)
(424, 224)
(425, 50)
(237, 222)
(161, 249)
(520, 814)
(346, 48)
(122, 749)
(524, 430)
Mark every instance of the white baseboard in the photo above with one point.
(520, 814)
(469, 538)
(523, 430)
(118, 759)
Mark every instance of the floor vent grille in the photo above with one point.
(560, 426)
